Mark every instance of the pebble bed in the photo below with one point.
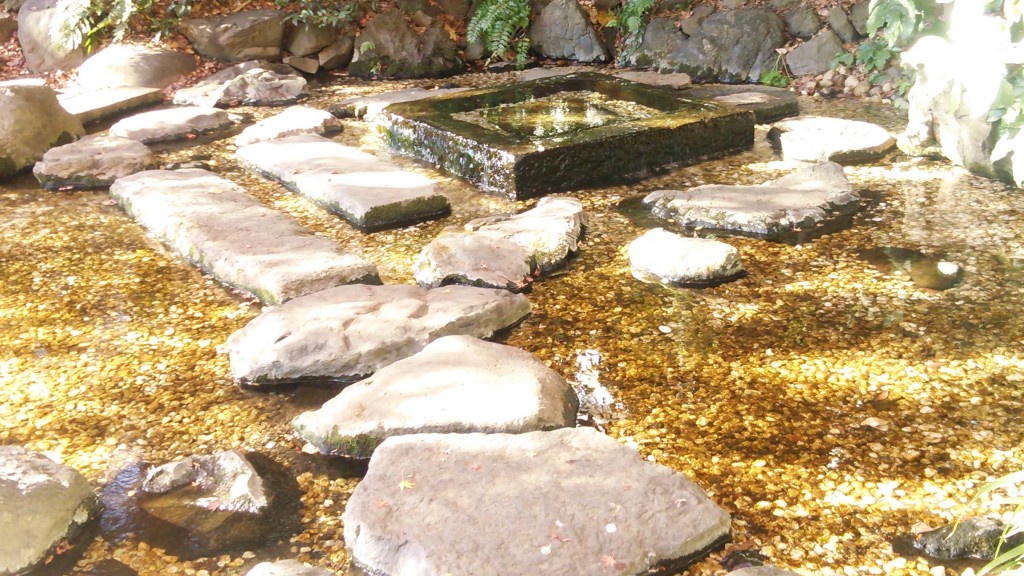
(826, 405)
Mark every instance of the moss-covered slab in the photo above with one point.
(216, 225)
(370, 193)
(563, 133)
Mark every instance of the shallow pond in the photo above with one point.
(826, 404)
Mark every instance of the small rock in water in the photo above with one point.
(932, 272)
(738, 558)
(661, 256)
(225, 481)
(972, 539)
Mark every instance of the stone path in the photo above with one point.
(504, 251)
(97, 105)
(292, 121)
(216, 225)
(95, 161)
(370, 193)
(820, 139)
(171, 124)
(455, 384)
(569, 501)
(661, 256)
(351, 331)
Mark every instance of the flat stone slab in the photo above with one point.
(370, 193)
(253, 83)
(668, 258)
(504, 251)
(369, 107)
(820, 139)
(801, 201)
(568, 501)
(216, 225)
(768, 103)
(102, 104)
(95, 161)
(287, 568)
(171, 124)
(349, 332)
(292, 121)
(42, 503)
(455, 384)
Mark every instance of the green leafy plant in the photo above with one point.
(776, 76)
(874, 55)
(1012, 558)
(501, 25)
(844, 58)
(631, 20)
(79, 23)
(900, 21)
(322, 13)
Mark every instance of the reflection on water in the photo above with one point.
(825, 404)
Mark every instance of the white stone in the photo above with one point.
(661, 256)
(171, 124)
(822, 139)
(290, 122)
(92, 162)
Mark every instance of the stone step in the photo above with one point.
(370, 193)
(172, 124)
(350, 332)
(568, 501)
(95, 161)
(216, 225)
(456, 384)
(99, 105)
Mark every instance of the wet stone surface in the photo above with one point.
(755, 389)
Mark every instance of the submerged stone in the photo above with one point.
(455, 384)
(42, 504)
(287, 568)
(435, 504)
(216, 225)
(932, 272)
(370, 193)
(806, 199)
(171, 124)
(352, 331)
(661, 256)
(290, 122)
(504, 251)
(92, 162)
(821, 139)
(563, 133)
(974, 538)
(225, 481)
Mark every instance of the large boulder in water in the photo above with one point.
(730, 46)
(563, 30)
(32, 122)
(42, 53)
(248, 35)
(42, 504)
(390, 47)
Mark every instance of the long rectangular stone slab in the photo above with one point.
(215, 224)
(370, 193)
(100, 104)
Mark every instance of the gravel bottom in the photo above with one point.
(826, 405)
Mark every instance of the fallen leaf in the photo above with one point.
(405, 485)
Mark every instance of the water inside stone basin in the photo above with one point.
(826, 405)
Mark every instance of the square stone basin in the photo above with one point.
(564, 133)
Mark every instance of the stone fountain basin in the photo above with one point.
(564, 133)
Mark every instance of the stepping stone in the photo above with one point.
(92, 162)
(217, 226)
(504, 251)
(768, 103)
(349, 332)
(820, 139)
(661, 256)
(254, 83)
(99, 105)
(42, 503)
(369, 107)
(370, 193)
(290, 122)
(287, 568)
(803, 200)
(171, 124)
(569, 501)
(455, 384)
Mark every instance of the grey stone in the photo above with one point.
(606, 4)
(370, 193)
(839, 22)
(95, 105)
(802, 200)
(768, 103)
(369, 107)
(171, 124)
(287, 568)
(248, 35)
(92, 162)
(456, 503)
(394, 49)
(219, 227)
(222, 482)
(936, 274)
(304, 39)
(733, 4)
(291, 121)
(661, 38)
(783, 5)
(814, 56)
(730, 46)
(12, 5)
(802, 22)
(126, 65)
(338, 54)
(254, 83)
(668, 258)
(692, 23)
(563, 30)
(973, 538)
(42, 503)
(456, 384)
(8, 26)
(859, 16)
(352, 331)
(820, 139)
(677, 80)
(32, 122)
(42, 53)
(762, 571)
(504, 251)
(306, 65)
